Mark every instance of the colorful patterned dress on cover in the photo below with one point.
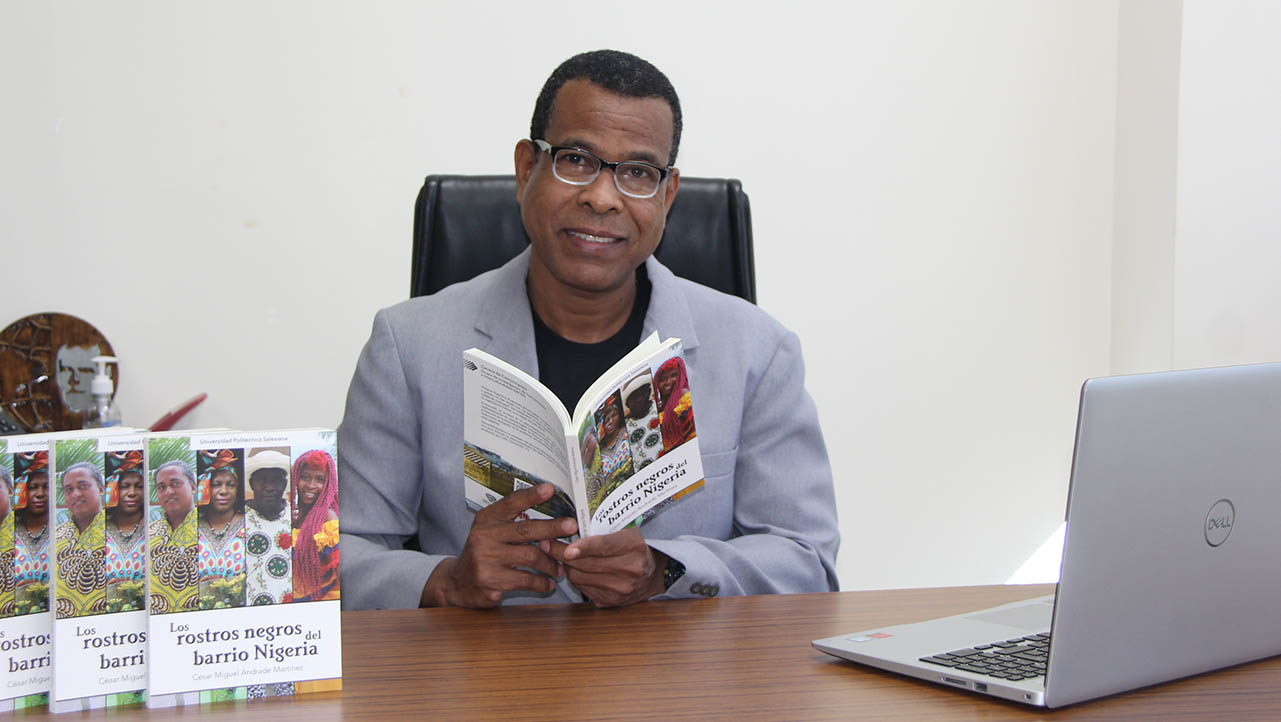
(175, 568)
(82, 570)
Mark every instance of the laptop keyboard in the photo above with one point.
(1012, 659)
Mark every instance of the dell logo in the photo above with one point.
(1218, 523)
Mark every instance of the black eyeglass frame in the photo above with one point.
(552, 150)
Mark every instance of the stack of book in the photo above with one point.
(167, 569)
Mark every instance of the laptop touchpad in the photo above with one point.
(1034, 617)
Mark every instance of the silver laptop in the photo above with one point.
(1171, 559)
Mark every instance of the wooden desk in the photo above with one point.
(733, 658)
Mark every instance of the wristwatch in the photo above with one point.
(671, 572)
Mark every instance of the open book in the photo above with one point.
(629, 446)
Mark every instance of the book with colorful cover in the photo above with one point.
(243, 553)
(98, 574)
(628, 449)
(26, 548)
(24, 633)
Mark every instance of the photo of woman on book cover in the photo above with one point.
(675, 408)
(80, 538)
(31, 532)
(315, 527)
(220, 527)
(615, 452)
(126, 531)
(175, 569)
(268, 527)
(643, 434)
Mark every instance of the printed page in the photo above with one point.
(637, 440)
(514, 436)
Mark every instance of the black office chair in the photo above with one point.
(466, 225)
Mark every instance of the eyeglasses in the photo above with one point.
(577, 167)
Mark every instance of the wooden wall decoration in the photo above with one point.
(45, 371)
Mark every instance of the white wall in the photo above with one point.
(1143, 249)
(1196, 224)
(1198, 161)
(1228, 231)
(226, 191)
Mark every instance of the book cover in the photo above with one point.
(98, 574)
(243, 585)
(25, 659)
(629, 448)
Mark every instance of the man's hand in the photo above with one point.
(613, 570)
(496, 545)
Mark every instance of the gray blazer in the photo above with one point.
(765, 521)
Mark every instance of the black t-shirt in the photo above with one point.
(568, 368)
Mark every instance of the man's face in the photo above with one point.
(4, 501)
(173, 491)
(75, 373)
(266, 486)
(638, 403)
(82, 493)
(589, 239)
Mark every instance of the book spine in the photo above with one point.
(578, 482)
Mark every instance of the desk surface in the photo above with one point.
(730, 658)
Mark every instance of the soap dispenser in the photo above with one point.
(105, 411)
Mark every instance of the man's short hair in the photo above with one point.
(92, 468)
(618, 72)
(180, 465)
(6, 477)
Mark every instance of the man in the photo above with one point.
(82, 488)
(268, 535)
(642, 420)
(176, 492)
(80, 543)
(594, 181)
(174, 552)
